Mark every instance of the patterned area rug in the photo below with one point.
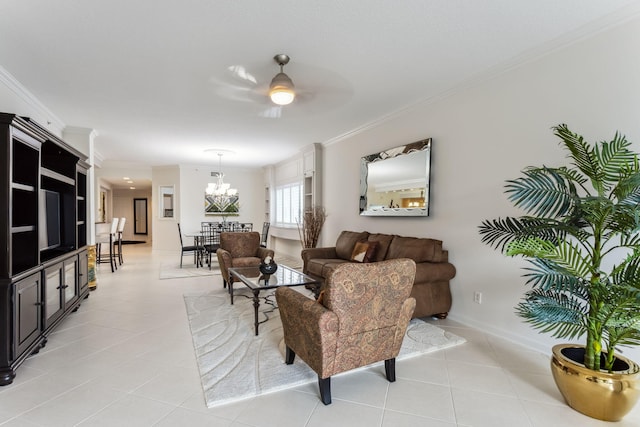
(172, 270)
(235, 364)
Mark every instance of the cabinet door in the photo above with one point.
(70, 282)
(83, 272)
(28, 306)
(53, 308)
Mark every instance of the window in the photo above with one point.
(288, 204)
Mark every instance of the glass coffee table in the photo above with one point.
(256, 281)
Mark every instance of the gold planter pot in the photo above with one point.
(602, 395)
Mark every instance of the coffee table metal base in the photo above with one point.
(256, 292)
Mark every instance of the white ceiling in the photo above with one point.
(153, 77)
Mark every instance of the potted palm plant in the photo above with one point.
(580, 238)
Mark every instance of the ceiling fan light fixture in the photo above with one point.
(282, 90)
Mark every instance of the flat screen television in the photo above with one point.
(49, 220)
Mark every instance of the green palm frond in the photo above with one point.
(552, 312)
(613, 157)
(565, 255)
(583, 156)
(499, 232)
(627, 191)
(541, 192)
(631, 241)
(548, 276)
(533, 247)
(627, 274)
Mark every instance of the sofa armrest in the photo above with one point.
(262, 253)
(225, 262)
(317, 253)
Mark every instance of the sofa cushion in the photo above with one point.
(347, 241)
(384, 240)
(418, 249)
(321, 267)
(364, 251)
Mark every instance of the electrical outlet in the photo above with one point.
(477, 297)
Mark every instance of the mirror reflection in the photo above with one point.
(395, 182)
(166, 201)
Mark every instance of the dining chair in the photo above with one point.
(118, 242)
(210, 242)
(109, 239)
(265, 234)
(187, 249)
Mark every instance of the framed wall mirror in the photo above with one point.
(395, 182)
(166, 200)
(140, 216)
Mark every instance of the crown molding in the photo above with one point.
(605, 23)
(53, 123)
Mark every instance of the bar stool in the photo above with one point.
(109, 239)
(118, 238)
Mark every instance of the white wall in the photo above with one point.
(482, 136)
(123, 207)
(194, 180)
(165, 230)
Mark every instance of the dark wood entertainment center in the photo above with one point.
(43, 227)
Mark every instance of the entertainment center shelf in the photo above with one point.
(44, 260)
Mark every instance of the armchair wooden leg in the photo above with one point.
(289, 356)
(325, 390)
(390, 369)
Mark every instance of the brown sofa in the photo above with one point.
(433, 270)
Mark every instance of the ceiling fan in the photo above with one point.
(318, 89)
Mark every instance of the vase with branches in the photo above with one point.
(310, 226)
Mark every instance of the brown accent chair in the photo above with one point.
(240, 249)
(361, 318)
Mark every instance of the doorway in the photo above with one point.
(140, 216)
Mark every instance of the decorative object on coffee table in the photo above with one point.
(268, 266)
(580, 237)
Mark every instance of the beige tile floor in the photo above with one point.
(125, 358)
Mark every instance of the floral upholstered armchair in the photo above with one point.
(360, 318)
(241, 249)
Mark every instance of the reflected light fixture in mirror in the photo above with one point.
(281, 90)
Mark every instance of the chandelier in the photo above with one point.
(221, 193)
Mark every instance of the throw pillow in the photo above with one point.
(364, 251)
